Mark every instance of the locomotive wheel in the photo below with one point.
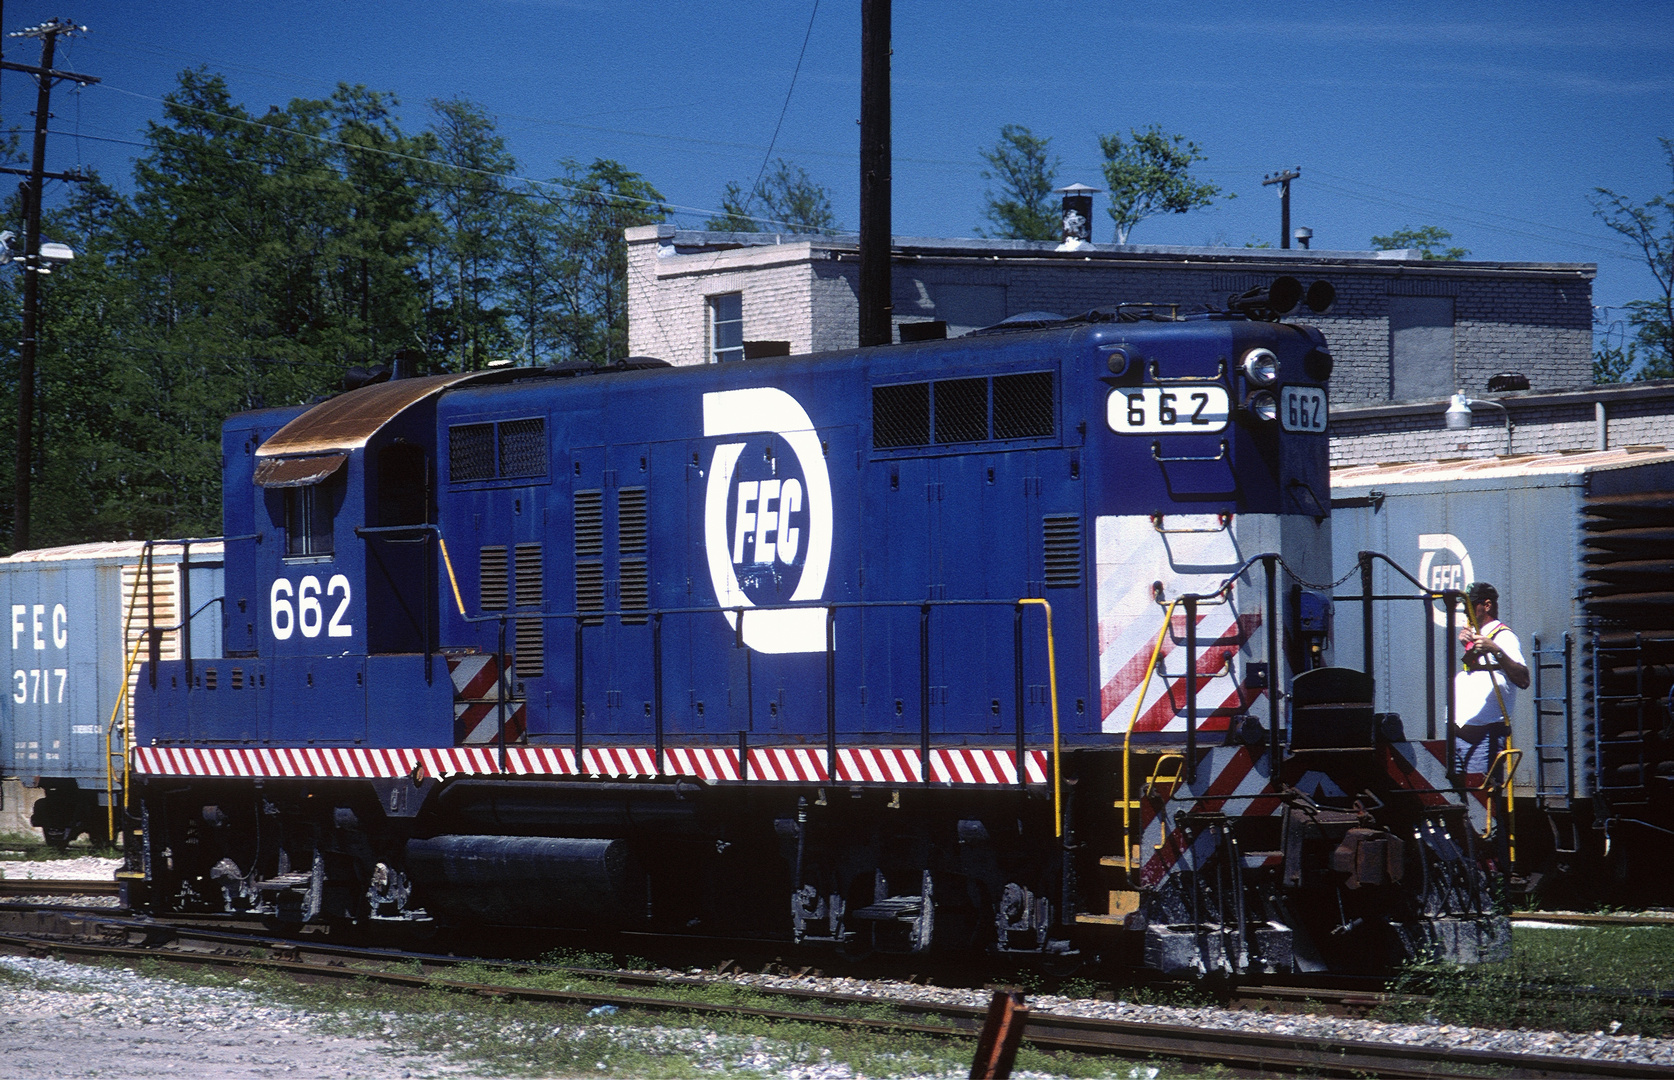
(59, 838)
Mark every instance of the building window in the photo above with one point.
(307, 521)
(1421, 348)
(726, 327)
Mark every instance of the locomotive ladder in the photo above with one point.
(1555, 741)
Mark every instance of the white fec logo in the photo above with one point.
(1445, 564)
(764, 534)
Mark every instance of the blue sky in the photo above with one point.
(1495, 121)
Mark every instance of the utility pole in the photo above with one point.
(875, 230)
(1283, 179)
(33, 265)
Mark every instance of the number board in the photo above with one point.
(1177, 409)
(1302, 408)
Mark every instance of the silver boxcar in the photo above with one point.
(75, 616)
(1581, 548)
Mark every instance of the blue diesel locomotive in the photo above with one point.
(1008, 642)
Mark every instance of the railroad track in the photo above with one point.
(92, 935)
(1584, 918)
(53, 887)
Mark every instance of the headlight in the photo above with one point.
(1263, 406)
(1261, 366)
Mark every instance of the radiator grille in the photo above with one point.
(471, 452)
(491, 578)
(523, 448)
(961, 410)
(1063, 551)
(901, 415)
(1023, 405)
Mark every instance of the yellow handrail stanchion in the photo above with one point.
(443, 544)
(1127, 739)
(1503, 765)
(1057, 756)
(110, 728)
(1510, 788)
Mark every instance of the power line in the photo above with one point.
(786, 108)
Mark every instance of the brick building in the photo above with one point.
(1406, 332)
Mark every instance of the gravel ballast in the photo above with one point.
(82, 868)
(1598, 1045)
(59, 1019)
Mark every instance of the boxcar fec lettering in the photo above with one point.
(1011, 643)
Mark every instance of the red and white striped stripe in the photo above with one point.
(770, 764)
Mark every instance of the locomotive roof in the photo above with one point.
(348, 421)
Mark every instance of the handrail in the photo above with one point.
(121, 696)
(1156, 455)
(1510, 754)
(1127, 740)
(1057, 756)
(452, 580)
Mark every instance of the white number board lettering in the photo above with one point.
(1180, 409)
(1302, 408)
(306, 613)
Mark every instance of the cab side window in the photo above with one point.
(308, 520)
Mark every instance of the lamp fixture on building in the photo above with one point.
(1303, 234)
(1458, 416)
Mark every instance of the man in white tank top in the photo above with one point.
(1485, 689)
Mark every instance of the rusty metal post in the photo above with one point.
(996, 1049)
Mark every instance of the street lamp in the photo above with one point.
(1458, 416)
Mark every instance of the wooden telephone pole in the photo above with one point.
(33, 265)
(876, 240)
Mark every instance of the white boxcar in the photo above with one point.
(74, 617)
(1581, 549)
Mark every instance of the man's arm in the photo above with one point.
(1512, 666)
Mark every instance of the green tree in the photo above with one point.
(383, 224)
(1613, 363)
(1650, 228)
(1027, 173)
(472, 201)
(604, 199)
(1150, 174)
(1426, 239)
(536, 265)
(785, 200)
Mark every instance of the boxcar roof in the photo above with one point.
(167, 551)
(1497, 468)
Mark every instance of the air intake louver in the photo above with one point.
(1063, 551)
(531, 633)
(491, 579)
(630, 541)
(589, 553)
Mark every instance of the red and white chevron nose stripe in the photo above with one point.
(769, 764)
